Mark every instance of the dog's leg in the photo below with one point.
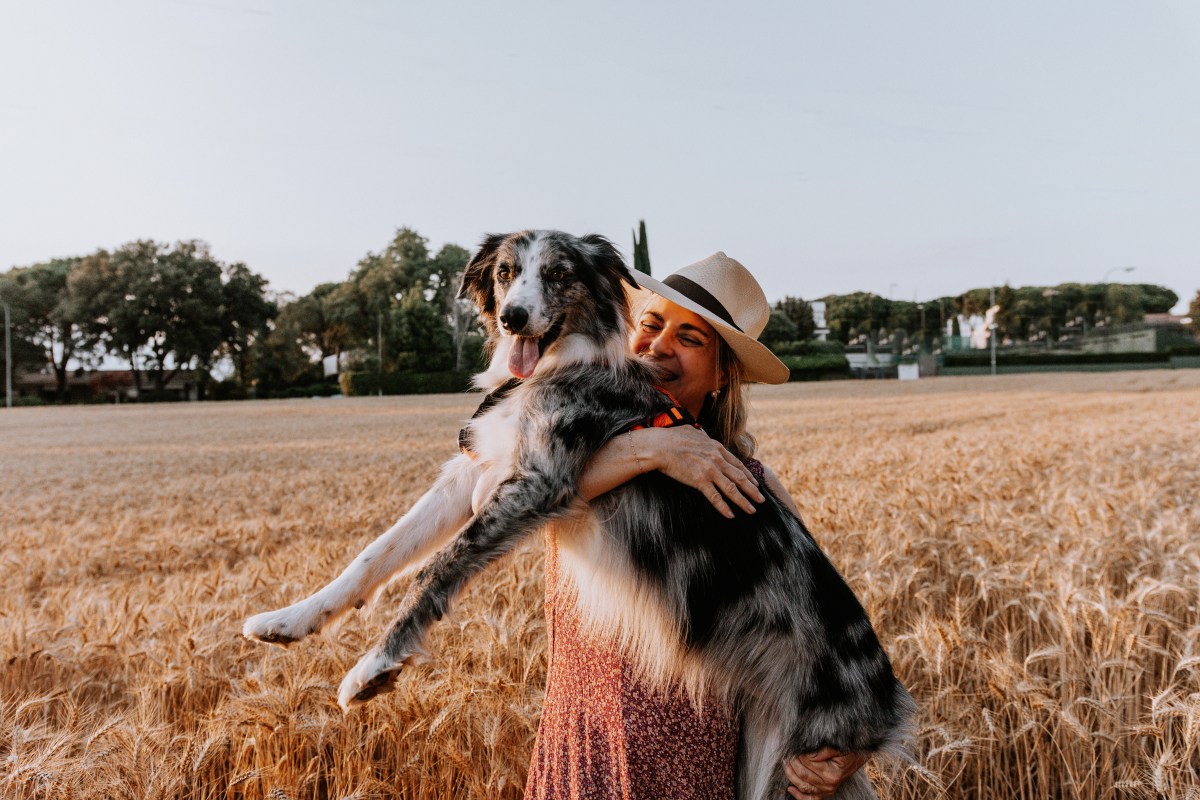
(519, 506)
(434, 518)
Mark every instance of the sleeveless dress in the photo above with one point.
(605, 735)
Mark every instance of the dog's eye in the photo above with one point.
(557, 274)
(503, 273)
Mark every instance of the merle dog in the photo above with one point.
(747, 609)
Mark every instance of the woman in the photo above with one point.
(604, 733)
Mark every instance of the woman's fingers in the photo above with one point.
(695, 459)
(733, 461)
(739, 486)
(720, 505)
(736, 494)
(818, 775)
(801, 786)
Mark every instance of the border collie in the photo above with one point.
(746, 609)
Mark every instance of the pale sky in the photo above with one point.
(917, 148)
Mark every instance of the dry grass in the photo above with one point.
(1029, 547)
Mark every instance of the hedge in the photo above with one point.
(808, 348)
(367, 383)
(817, 367)
(313, 390)
(1052, 359)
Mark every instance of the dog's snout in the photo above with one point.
(514, 319)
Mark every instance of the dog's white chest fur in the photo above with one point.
(493, 446)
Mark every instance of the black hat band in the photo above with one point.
(701, 297)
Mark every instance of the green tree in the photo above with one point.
(445, 275)
(245, 311)
(158, 307)
(1124, 303)
(26, 356)
(1157, 299)
(320, 319)
(779, 329)
(422, 339)
(1194, 313)
(380, 280)
(279, 358)
(801, 315)
(1006, 320)
(862, 312)
(48, 317)
(462, 318)
(641, 249)
(903, 315)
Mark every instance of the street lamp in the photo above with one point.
(1050, 294)
(1117, 269)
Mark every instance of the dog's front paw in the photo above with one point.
(371, 676)
(286, 625)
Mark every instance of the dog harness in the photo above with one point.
(673, 417)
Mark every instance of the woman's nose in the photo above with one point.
(660, 345)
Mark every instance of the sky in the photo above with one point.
(910, 149)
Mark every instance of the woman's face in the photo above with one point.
(684, 345)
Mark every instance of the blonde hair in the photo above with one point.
(725, 417)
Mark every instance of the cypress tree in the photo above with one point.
(641, 250)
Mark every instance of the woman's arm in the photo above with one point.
(684, 454)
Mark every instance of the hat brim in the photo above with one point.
(760, 363)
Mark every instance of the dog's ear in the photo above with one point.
(477, 277)
(608, 259)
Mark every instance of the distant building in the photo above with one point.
(821, 331)
(104, 386)
(1155, 333)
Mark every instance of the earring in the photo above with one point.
(714, 394)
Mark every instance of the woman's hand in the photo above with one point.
(817, 775)
(695, 459)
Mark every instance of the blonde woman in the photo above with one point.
(603, 733)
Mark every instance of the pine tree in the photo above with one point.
(641, 251)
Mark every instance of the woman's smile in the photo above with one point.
(683, 345)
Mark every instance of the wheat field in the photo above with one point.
(1028, 547)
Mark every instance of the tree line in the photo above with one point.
(162, 308)
(1026, 313)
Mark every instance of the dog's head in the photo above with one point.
(537, 288)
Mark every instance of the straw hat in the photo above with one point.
(726, 295)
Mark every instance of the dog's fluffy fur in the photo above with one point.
(748, 609)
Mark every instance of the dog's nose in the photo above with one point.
(514, 319)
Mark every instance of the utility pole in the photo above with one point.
(7, 358)
(992, 337)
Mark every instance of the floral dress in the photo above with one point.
(605, 734)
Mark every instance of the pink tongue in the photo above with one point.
(523, 357)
